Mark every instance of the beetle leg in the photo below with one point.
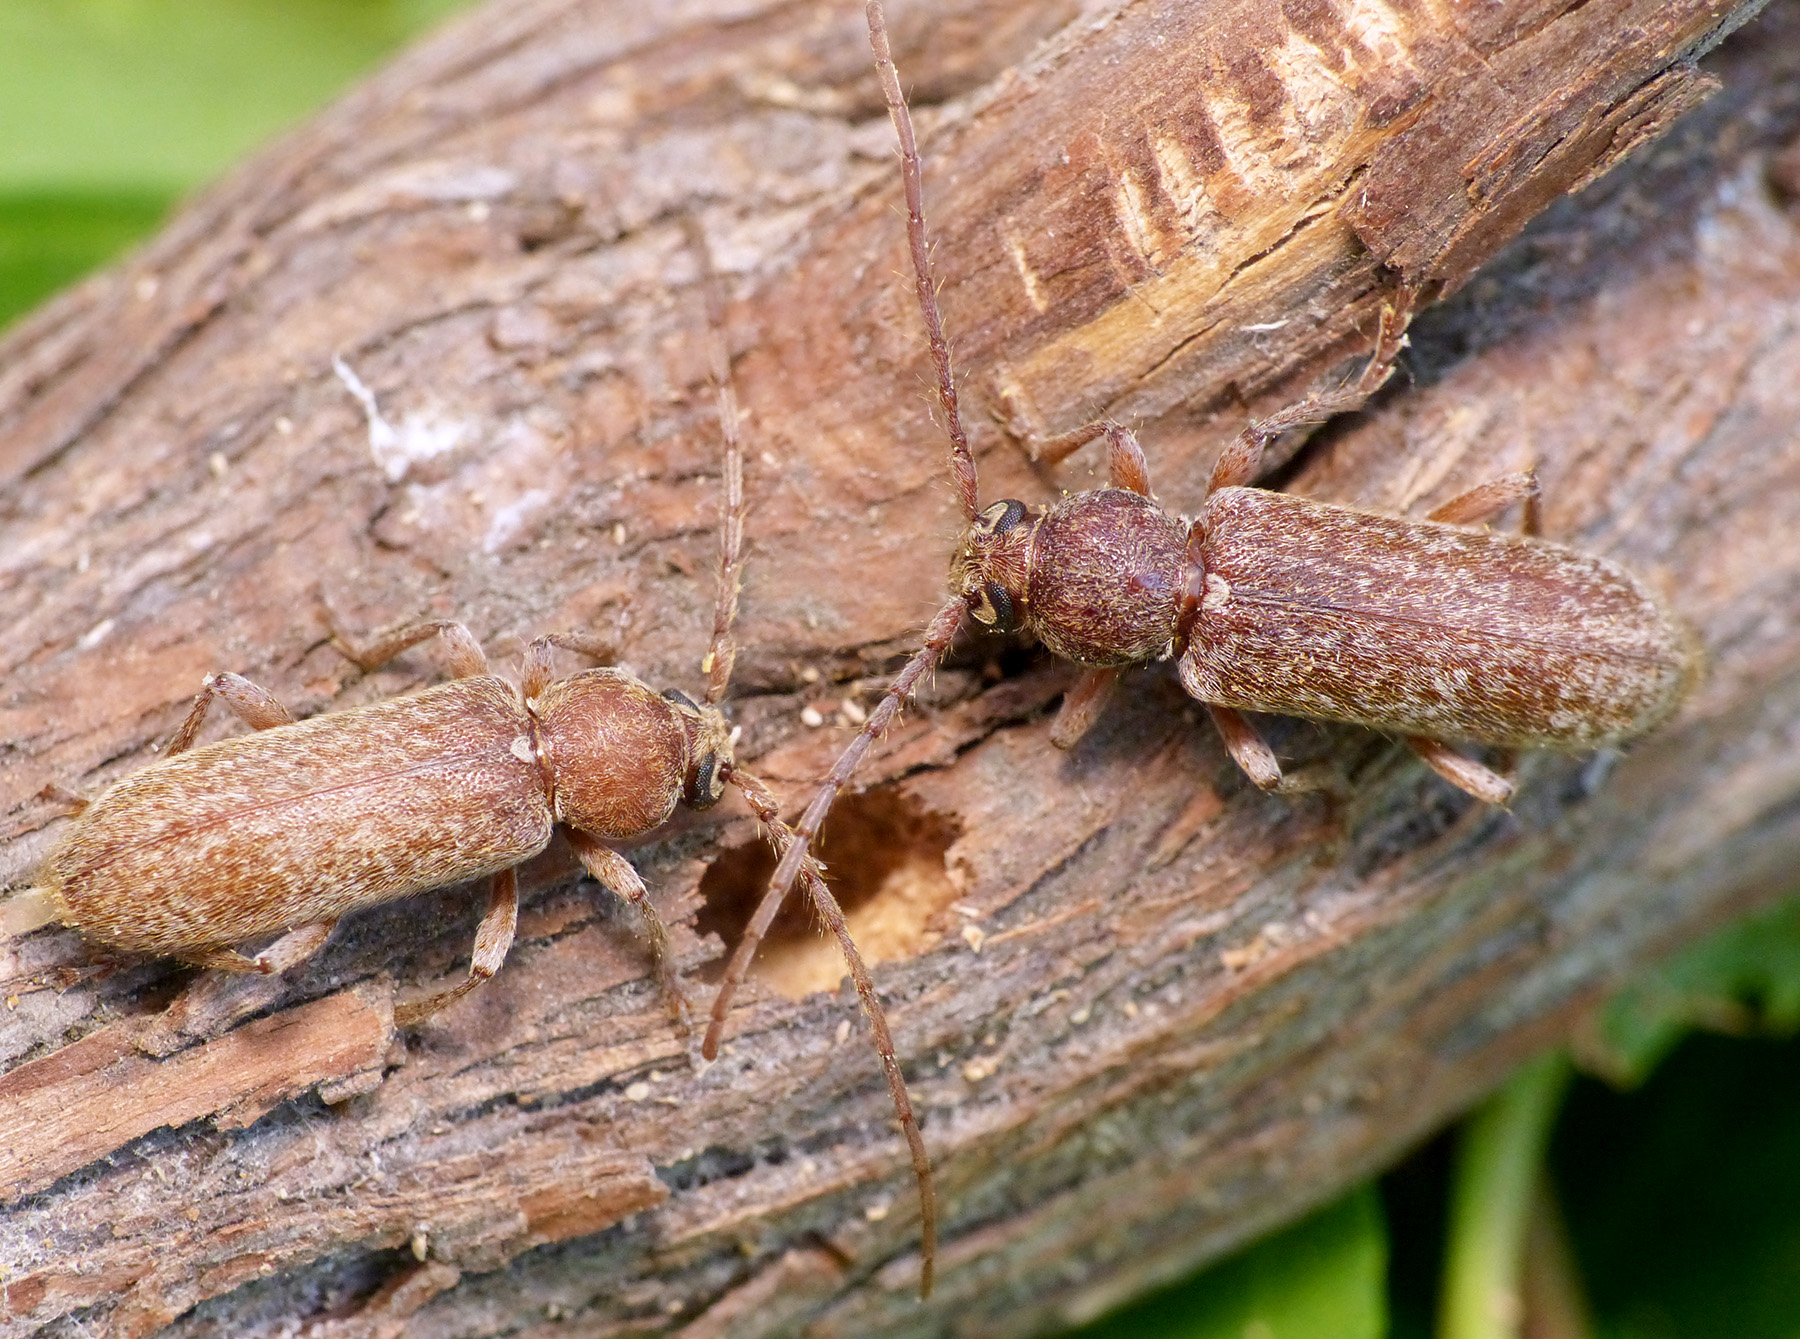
(1125, 464)
(218, 999)
(1486, 500)
(461, 649)
(1464, 773)
(296, 946)
(1239, 463)
(493, 937)
(1084, 701)
(64, 799)
(1250, 751)
(615, 871)
(254, 706)
(1247, 747)
(539, 671)
(224, 959)
(1124, 457)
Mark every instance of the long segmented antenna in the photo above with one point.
(721, 656)
(962, 463)
(938, 637)
(943, 628)
(782, 838)
(794, 844)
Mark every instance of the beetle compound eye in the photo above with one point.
(706, 788)
(1001, 517)
(997, 610)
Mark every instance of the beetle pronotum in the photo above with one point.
(290, 828)
(1267, 602)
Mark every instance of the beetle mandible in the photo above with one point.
(1269, 602)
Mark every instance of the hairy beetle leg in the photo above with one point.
(613, 870)
(1464, 773)
(493, 938)
(539, 671)
(1473, 507)
(463, 653)
(1082, 704)
(294, 947)
(1484, 501)
(252, 704)
(1251, 752)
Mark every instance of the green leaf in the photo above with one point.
(49, 240)
(1743, 980)
(1499, 1160)
(1323, 1278)
(160, 95)
(1683, 1198)
(110, 110)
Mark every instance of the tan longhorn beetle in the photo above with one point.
(284, 831)
(1432, 629)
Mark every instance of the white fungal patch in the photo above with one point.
(419, 437)
(381, 432)
(498, 490)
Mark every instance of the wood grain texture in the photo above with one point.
(1146, 1011)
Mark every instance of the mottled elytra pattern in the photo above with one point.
(430, 785)
(1276, 604)
(1501, 639)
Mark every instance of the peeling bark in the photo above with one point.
(1146, 1011)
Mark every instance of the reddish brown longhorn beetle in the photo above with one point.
(1274, 603)
(289, 829)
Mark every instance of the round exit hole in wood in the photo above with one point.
(886, 860)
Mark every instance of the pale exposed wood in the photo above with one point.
(1146, 1011)
(64, 1111)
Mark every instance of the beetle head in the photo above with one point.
(709, 750)
(991, 568)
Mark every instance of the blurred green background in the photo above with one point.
(1674, 1187)
(1670, 1194)
(112, 110)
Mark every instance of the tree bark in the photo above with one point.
(1147, 1011)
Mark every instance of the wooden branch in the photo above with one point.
(1146, 1011)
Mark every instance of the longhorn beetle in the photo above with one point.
(292, 827)
(1274, 603)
